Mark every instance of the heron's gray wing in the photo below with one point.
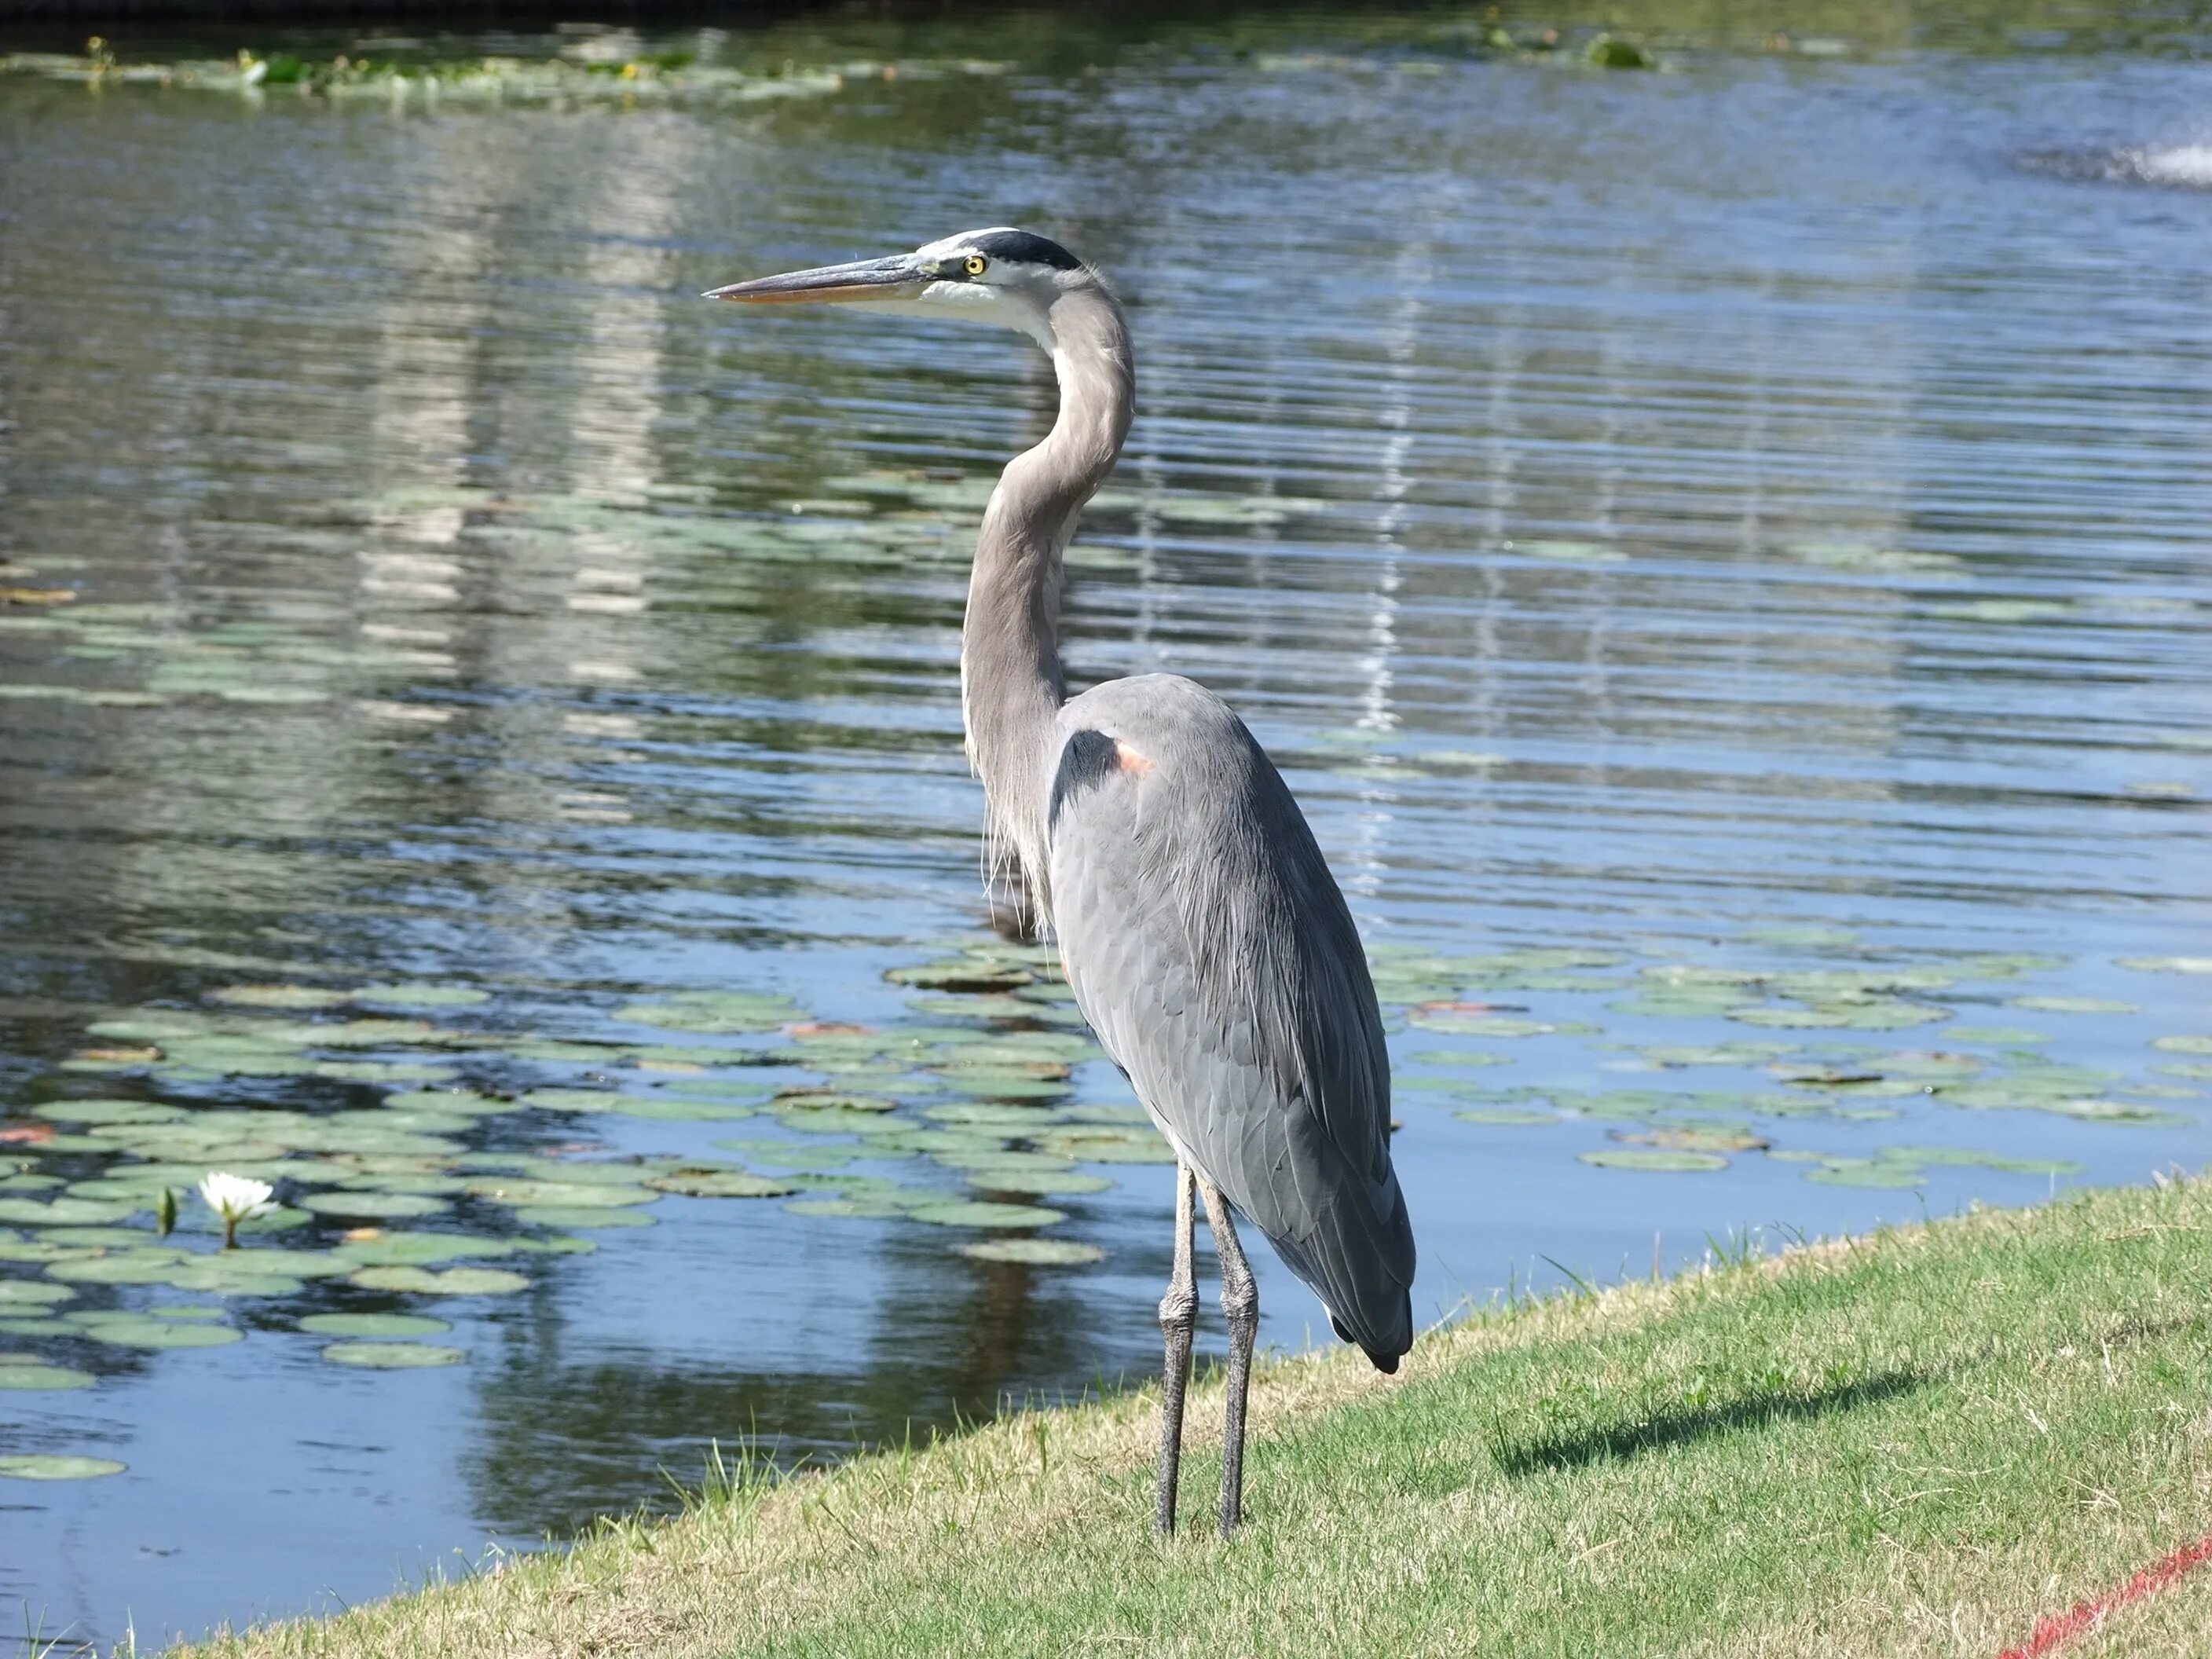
(1212, 951)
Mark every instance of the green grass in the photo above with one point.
(1915, 1444)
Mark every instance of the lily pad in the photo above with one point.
(1871, 1172)
(987, 1215)
(717, 1012)
(298, 998)
(576, 1194)
(1459, 1022)
(51, 1467)
(78, 1240)
(419, 1249)
(1642, 1158)
(1002, 1083)
(571, 1100)
(2114, 1111)
(1001, 1116)
(571, 1215)
(19, 1293)
(857, 1209)
(934, 1142)
(2012, 1035)
(682, 1111)
(1108, 1144)
(2075, 1005)
(546, 1051)
(406, 1181)
(160, 1028)
(1507, 1116)
(797, 1154)
(393, 1355)
(961, 974)
(143, 1331)
(372, 1205)
(416, 995)
(65, 1211)
(2184, 1045)
(719, 1183)
(382, 1324)
(32, 1378)
(107, 1111)
(1698, 1139)
(1041, 1182)
(996, 1157)
(1034, 1252)
(1964, 1158)
(1935, 1065)
(1688, 1004)
(815, 1100)
(381, 1071)
(1717, 1054)
(2167, 964)
(1878, 1014)
(837, 1121)
(450, 1282)
(296, 1264)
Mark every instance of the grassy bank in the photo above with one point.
(1915, 1444)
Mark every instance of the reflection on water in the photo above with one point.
(1718, 553)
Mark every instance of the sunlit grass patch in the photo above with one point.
(1915, 1444)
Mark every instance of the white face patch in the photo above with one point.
(981, 300)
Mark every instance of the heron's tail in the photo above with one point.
(1361, 1266)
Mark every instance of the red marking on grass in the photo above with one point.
(2082, 1616)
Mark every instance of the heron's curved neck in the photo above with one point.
(1010, 681)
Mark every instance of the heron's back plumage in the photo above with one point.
(1212, 951)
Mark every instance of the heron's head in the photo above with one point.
(1001, 276)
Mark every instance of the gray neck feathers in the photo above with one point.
(1011, 682)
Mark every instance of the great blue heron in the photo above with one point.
(1205, 941)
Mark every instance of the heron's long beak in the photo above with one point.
(897, 278)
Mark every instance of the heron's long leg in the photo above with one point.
(1240, 1310)
(1178, 1321)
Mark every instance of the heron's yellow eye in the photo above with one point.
(975, 264)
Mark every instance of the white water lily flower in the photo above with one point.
(235, 1199)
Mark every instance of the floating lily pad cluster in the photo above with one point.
(409, 1132)
(1908, 1166)
(964, 1118)
(1974, 1064)
(582, 77)
(144, 654)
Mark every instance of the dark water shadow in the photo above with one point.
(1669, 1428)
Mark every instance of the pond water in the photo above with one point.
(1718, 552)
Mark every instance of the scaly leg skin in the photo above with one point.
(1240, 1308)
(1178, 1321)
